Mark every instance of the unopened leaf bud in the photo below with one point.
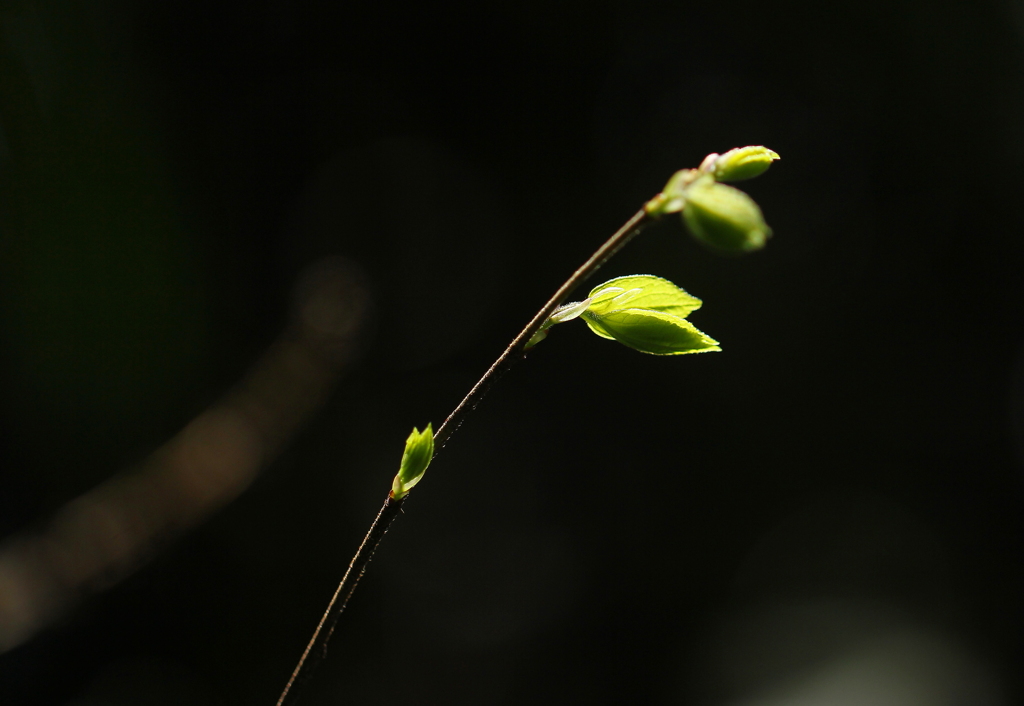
(419, 449)
(724, 218)
(741, 163)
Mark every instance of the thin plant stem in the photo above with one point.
(316, 650)
(517, 349)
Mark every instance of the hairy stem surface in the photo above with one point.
(316, 650)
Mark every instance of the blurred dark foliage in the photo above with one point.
(832, 502)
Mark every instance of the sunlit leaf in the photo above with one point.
(642, 292)
(650, 331)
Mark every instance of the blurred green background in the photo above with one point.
(827, 512)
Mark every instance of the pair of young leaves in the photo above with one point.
(644, 312)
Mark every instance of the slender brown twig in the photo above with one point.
(317, 647)
(316, 650)
(517, 349)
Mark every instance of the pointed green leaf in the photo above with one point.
(642, 292)
(649, 331)
(419, 449)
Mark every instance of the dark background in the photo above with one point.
(827, 512)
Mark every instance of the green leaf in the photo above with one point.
(724, 217)
(419, 449)
(650, 331)
(642, 292)
(647, 313)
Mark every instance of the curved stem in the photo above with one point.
(517, 349)
(316, 650)
(317, 647)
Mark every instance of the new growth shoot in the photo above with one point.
(645, 312)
